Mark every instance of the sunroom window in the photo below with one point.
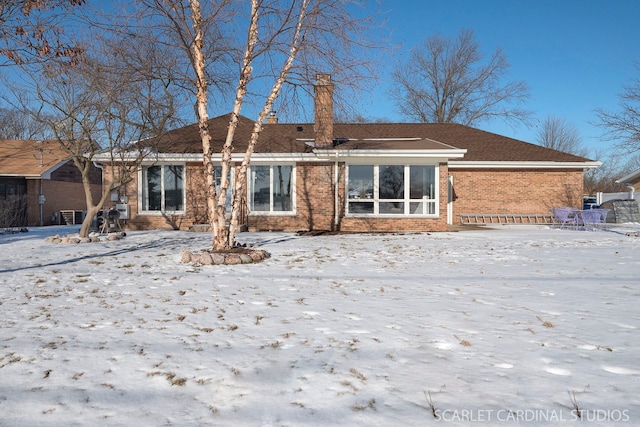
(391, 189)
(163, 188)
(217, 170)
(271, 188)
(360, 189)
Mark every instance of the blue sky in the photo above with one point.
(575, 56)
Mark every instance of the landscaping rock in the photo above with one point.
(186, 257)
(205, 258)
(232, 259)
(246, 259)
(217, 259)
(93, 238)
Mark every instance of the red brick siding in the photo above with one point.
(315, 208)
(195, 207)
(59, 195)
(515, 191)
(502, 191)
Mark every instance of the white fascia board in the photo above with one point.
(280, 157)
(428, 154)
(44, 175)
(20, 175)
(216, 158)
(317, 155)
(523, 165)
(47, 174)
(629, 178)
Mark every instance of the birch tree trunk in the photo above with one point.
(223, 238)
(241, 183)
(203, 117)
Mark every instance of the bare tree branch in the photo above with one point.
(623, 125)
(559, 134)
(34, 30)
(287, 42)
(444, 81)
(101, 105)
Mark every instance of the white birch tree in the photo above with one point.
(318, 34)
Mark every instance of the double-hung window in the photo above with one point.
(391, 189)
(271, 188)
(163, 188)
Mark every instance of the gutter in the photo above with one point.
(522, 165)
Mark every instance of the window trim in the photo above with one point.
(406, 200)
(162, 211)
(272, 212)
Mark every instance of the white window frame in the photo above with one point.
(271, 211)
(143, 183)
(376, 200)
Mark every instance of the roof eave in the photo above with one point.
(442, 154)
(629, 178)
(522, 165)
(197, 157)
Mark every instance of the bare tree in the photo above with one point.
(623, 126)
(16, 125)
(445, 81)
(278, 32)
(559, 134)
(603, 178)
(100, 106)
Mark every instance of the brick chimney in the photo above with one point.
(272, 118)
(323, 90)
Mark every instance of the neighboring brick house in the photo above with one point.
(37, 181)
(631, 180)
(357, 177)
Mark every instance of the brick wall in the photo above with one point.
(515, 191)
(315, 205)
(500, 191)
(195, 207)
(59, 195)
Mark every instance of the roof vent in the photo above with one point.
(339, 141)
(299, 128)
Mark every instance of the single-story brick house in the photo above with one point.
(38, 181)
(357, 177)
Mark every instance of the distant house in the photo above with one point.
(631, 180)
(357, 177)
(38, 181)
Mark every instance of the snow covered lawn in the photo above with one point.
(514, 325)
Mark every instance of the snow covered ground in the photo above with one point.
(517, 325)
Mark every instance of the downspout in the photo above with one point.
(41, 202)
(336, 192)
(632, 188)
(41, 195)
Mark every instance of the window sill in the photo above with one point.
(397, 216)
(271, 214)
(160, 213)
